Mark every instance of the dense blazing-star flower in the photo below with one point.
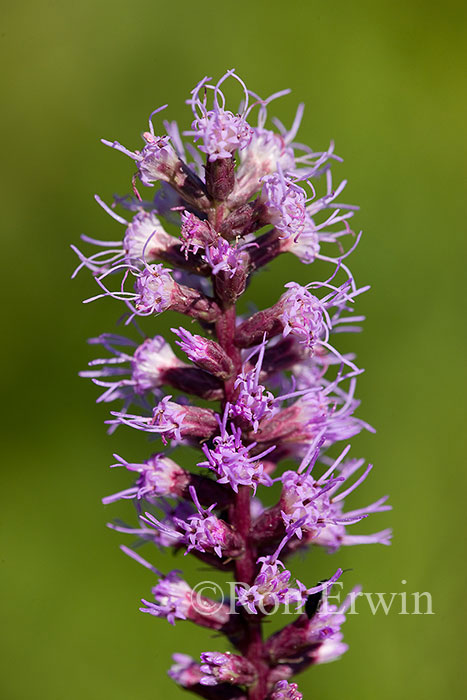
(274, 385)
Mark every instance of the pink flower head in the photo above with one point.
(195, 233)
(284, 204)
(229, 458)
(157, 160)
(302, 314)
(202, 531)
(145, 237)
(173, 596)
(154, 288)
(158, 477)
(220, 131)
(314, 507)
(150, 361)
(133, 370)
(266, 152)
(253, 402)
(269, 589)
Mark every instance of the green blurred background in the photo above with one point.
(386, 81)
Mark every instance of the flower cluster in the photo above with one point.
(273, 384)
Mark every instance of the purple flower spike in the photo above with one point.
(261, 397)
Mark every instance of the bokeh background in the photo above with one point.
(386, 81)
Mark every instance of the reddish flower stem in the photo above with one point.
(245, 566)
(225, 329)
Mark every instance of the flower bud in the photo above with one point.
(220, 178)
(286, 691)
(176, 600)
(226, 668)
(158, 476)
(205, 353)
(173, 421)
(243, 220)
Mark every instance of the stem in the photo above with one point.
(245, 571)
(225, 329)
(245, 566)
